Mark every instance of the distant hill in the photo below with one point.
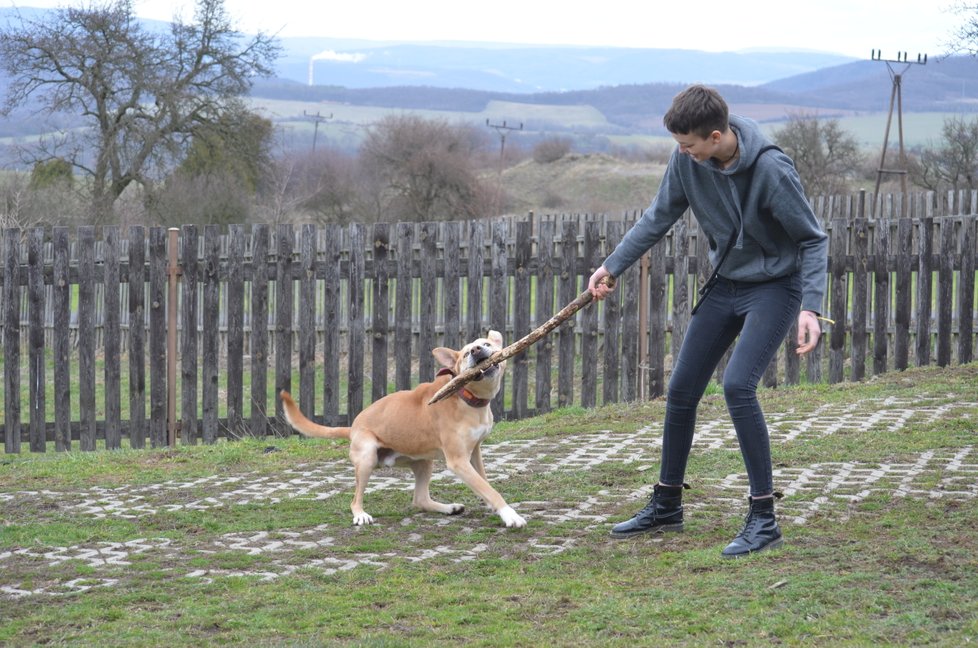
(852, 88)
(530, 69)
(580, 92)
(513, 68)
(942, 85)
(624, 83)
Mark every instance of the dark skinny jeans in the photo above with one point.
(761, 314)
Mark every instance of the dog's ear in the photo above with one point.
(446, 357)
(496, 338)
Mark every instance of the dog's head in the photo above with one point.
(488, 383)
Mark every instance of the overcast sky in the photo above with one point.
(849, 27)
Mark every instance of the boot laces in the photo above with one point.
(648, 509)
(750, 521)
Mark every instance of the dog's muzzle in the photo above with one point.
(479, 354)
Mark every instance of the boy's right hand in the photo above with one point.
(600, 290)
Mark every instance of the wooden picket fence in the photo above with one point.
(203, 326)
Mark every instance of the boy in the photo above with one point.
(769, 255)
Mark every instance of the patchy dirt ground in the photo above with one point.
(555, 525)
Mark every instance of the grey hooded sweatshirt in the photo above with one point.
(776, 232)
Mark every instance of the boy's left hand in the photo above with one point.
(809, 331)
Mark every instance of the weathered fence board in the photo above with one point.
(881, 294)
(331, 343)
(258, 426)
(189, 263)
(157, 337)
(235, 335)
(357, 304)
(284, 300)
(307, 316)
(86, 338)
(11, 341)
(137, 338)
(357, 275)
(611, 366)
(966, 293)
(522, 286)
(924, 278)
(210, 335)
(112, 341)
(904, 293)
(838, 280)
(381, 305)
(545, 306)
(567, 292)
(35, 296)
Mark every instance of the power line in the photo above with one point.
(317, 119)
(503, 129)
(896, 97)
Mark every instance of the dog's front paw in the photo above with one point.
(511, 518)
(360, 519)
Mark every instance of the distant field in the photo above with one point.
(919, 129)
(346, 122)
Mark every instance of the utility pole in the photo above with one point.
(317, 119)
(503, 129)
(896, 97)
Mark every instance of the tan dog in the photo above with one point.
(402, 429)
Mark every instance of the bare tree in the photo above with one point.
(323, 186)
(954, 164)
(825, 155)
(965, 37)
(25, 203)
(424, 169)
(141, 93)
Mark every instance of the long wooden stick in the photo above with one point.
(475, 371)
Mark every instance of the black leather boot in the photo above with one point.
(760, 531)
(664, 512)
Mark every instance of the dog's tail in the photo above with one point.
(299, 422)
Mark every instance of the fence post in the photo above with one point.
(881, 287)
(966, 289)
(924, 278)
(11, 341)
(860, 289)
(171, 338)
(839, 294)
(643, 326)
(35, 291)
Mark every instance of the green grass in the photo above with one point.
(889, 570)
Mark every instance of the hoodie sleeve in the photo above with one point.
(668, 205)
(793, 211)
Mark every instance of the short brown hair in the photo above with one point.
(699, 110)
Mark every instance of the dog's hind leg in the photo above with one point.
(422, 469)
(363, 455)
